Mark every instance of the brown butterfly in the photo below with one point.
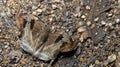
(37, 40)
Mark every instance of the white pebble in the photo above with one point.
(110, 14)
(34, 13)
(39, 10)
(92, 65)
(54, 6)
(53, 27)
(83, 16)
(6, 46)
(111, 58)
(103, 22)
(88, 23)
(110, 24)
(88, 7)
(34, 7)
(117, 20)
(96, 19)
(97, 62)
(50, 19)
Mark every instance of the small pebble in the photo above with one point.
(53, 27)
(103, 22)
(83, 60)
(110, 24)
(54, 6)
(6, 46)
(6, 43)
(96, 19)
(76, 15)
(110, 14)
(34, 7)
(41, 65)
(3, 14)
(81, 29)
(39, 10)
(79, 14)
(119, 53)
(83, 16)
(97, 62)
(80, 23)
(1, 23)
(92, 65)
(111, 58)
(88, 7)
(100, 45)
(88, 23)
(50, 19)
(35, 2)
(105, 62)
(117, 20)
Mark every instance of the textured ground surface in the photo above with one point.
(95, 22)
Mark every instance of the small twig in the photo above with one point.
(104, 9)
(92, 59)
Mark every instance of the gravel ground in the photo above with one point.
(95, 22)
